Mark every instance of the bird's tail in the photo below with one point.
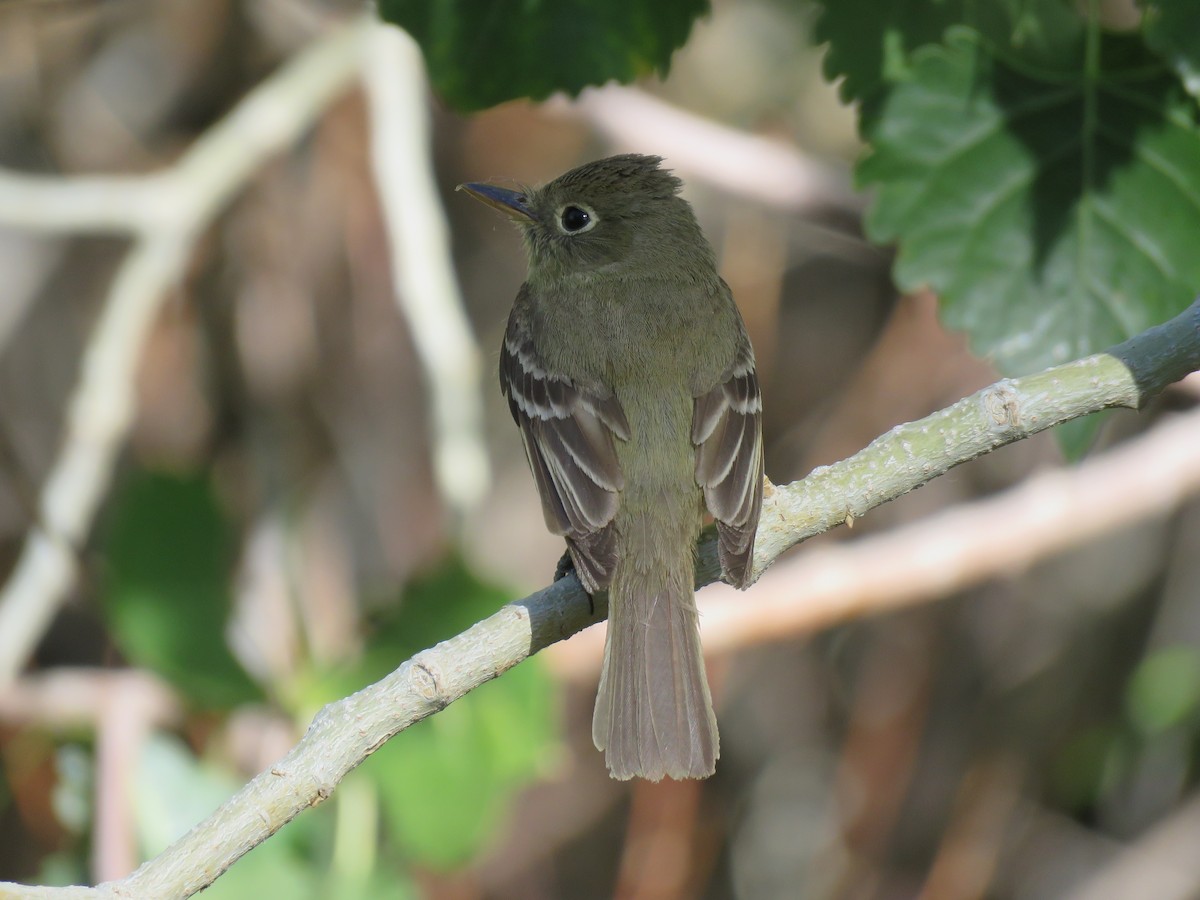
(654, 715)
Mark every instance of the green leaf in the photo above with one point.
(1053, 216)
(435, 605)
(166, 594)
(1164, 692)
(1173, 32)
(447, 782)
(483, 52)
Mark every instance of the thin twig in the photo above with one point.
(422, 270)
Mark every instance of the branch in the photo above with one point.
(345, 733)
(422, 270)
(934, 557)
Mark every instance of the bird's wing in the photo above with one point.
(568, 432)
(727, 432)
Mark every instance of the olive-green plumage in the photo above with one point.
(627, 367)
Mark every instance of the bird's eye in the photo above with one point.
(575, 220)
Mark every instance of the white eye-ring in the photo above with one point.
(574, 218)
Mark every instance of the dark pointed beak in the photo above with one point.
(511, 203)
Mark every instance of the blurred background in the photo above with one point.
(275, 533)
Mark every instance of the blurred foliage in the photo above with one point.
(168, 549)
(483, 52)
(1164, 692)
(444, 784)
(175, 790)
(1161, 714)
(448, 781)
(74, 789)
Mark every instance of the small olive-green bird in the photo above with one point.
(628, 370)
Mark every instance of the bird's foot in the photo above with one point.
(565, 567)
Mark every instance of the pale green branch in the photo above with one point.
(1010, 410)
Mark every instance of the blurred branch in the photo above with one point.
(1010, 410)
(986, 801)
(98, 418)
(344, 733)
(1191, 385)
(341, 736)
(70, 699)
(165, 211)
(128, 710)
(422, 270)
(768, 171)
(1162, 863)
(121, 707)
(118, 204)
(183, 199)
(997, 536)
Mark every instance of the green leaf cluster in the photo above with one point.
(1039, 173)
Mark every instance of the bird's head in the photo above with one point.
(620, 215)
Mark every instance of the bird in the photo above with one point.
(630, 375)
